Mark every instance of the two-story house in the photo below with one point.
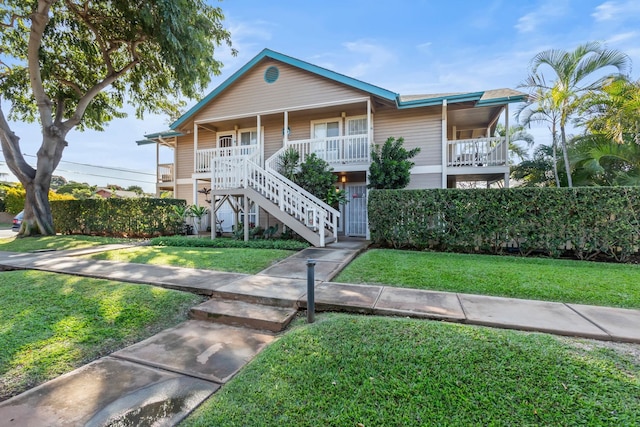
(232, 140)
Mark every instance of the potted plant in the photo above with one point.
(197, 212)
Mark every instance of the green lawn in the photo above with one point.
(239, 260)
(372, 371)
(53, 323)
(13, 244)
(608, 284)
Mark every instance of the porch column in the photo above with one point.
(195, 191)
(212, 214)
(506, 140)
(157, 168)
(246, 218)
(506, 180)
(369, 131)
(259, 138)
(445, 145)
(285, 129)
(195, 147)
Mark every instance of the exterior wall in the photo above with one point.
(420, 127)
(294, 87)
(425, 180)
(184, 157)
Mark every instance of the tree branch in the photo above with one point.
(11, 149)
(72, 85)
(39, 21)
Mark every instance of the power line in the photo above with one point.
(100, 167)
(105, 176)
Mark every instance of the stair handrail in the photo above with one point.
(269, 165)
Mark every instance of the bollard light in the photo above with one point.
(311, 303)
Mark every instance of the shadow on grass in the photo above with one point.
(51, 324)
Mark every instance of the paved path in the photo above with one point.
(160, 380)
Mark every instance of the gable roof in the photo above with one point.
(485, 98)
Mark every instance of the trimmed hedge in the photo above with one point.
(143, 217)
(585, 222)
(221, 242)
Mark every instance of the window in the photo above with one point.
(327, 132)
(249, 137)
(326, 129)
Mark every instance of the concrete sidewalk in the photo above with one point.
(162, 379)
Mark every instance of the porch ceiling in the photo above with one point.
(472, 118)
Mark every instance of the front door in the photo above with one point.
(356, 210)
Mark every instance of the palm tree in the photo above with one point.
(574, 77)
(538, 109)
(516, 134)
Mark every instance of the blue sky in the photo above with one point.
(408, 47)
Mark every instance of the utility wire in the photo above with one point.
(100, 167)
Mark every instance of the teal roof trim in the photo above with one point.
(502, 101)
(164, 134)
(428, 102)
(267, 53)
(145, 142)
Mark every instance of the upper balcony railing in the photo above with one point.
(352, 149)
(165, 172)
(479, 152)
(204, 157)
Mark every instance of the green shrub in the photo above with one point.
(143, 217)
(14, 199)
(222, 242)
(586, 222)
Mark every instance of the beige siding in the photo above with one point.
(185, 192)
(425, 180)
(419, 127)
(184, 157)
(293, 88)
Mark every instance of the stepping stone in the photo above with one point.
(244, 314)
(108, 392)
(205, 350)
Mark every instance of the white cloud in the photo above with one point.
(424, 47)
(550, 9)
(617, 10)
(375, 57)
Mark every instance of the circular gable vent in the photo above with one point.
(271, 74)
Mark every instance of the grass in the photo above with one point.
(607, 284)
(52, 323)
(237, 260)
(373, 371)
(27, 244)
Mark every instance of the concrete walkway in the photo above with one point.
(162, 379)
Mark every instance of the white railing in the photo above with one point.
(478, 152)
(294, 200)
(352, 149)
(205, 157)
(165, 172)
(244, 171)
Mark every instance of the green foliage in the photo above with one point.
(160, 50)
(288, 166)
(316, 176)
(228, 243)
(390, 165)
(587, 222)
(143, 217)
(14, 199)
(69, 188)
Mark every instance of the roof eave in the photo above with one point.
(267, 53)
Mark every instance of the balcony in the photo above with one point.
(479, 152)
(205, 158)
(339, 150)
(165, 173)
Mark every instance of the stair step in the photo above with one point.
(245, 314)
